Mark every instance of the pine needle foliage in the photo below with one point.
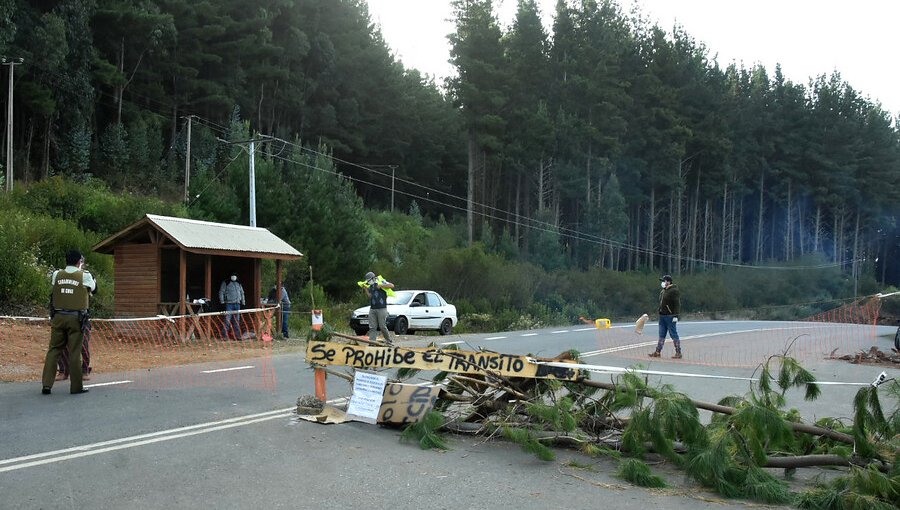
(714, 465)
(629, 393)
(668, 417)
(323, 334)
(426, 432)
(638, 473)
(405, 373)
(595, 450)
(529, 443)
(557, 417)
(636, 433)
(759, 485)
(760, 429)
(863, 489)
(868, 420)
(790, 375)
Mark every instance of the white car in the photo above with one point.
(409, 311)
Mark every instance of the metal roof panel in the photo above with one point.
(206, 235)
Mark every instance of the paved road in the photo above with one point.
(193, 436)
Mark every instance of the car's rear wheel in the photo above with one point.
(446, 327)
(401, 326)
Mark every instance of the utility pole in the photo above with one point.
(9, 124)
(393, 167)
(252, 143)
(187, 162)
(370, 166)
(252, 183)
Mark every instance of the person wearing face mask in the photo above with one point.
(231, 294)
(376, 291)
(669, 309)
(68, 312)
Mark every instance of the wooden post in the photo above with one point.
(207, 280)
(183, 334)
(182, 281)
(257, 283)
(320, 383)
(278, 297)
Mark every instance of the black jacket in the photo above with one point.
(670, 301)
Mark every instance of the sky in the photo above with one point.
(858, 38)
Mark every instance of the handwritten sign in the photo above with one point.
(406, 403)
(461, 362)
(365, 402)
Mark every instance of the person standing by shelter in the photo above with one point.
(669, 309)
(377, 306)
(285, 307)
(63, 363)
(231, 294)
(68, 313)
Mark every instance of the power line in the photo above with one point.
(569, 233)
(511, 218)
(527, 222)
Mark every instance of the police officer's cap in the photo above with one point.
(73, 257)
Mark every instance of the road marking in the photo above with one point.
(692, 337)
(455, 343)
(139, 440)
(227, 369)
(584, 329)
(619, 348)
(111, 383)
(530, 334)
(495, 338)
(560, 331)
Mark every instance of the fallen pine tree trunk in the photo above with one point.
(716, 408)
(568, 440)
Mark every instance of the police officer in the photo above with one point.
(68, 310)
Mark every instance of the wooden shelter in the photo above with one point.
(163, 264)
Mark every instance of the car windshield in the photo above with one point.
(400, 298)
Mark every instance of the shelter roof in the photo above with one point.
(204, 237)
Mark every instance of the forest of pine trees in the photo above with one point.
(602, 140)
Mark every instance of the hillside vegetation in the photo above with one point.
(491, 287)
(558, 174)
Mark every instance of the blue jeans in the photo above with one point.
(230, 317)
(284, 322)
(668, 323)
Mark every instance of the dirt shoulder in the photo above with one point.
(23, 347)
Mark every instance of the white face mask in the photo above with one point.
(662, 284)
(233, 278)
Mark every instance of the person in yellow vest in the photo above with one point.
(68, 310)
(376, 290)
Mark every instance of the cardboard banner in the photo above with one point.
(460, 362)
(406, 403)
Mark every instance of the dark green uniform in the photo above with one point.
(70, 303)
